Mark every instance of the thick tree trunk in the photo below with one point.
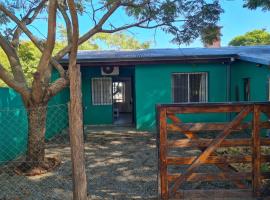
(36, 135)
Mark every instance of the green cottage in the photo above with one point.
(123, 87)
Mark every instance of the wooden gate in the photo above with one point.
(239, 118)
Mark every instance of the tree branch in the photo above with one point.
(75, 34)
(61, 83)
(47, 52)
(27, 20)
(22, 26)
(56, 87)
(43, 75)
(137, 24)
(67, 21)
(94, 12)
(14, 61)
(130, 4)
(19, 87)
(36, 42)
(91, 32)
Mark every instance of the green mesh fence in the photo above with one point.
(14, 129)
(13, 134)
(16, 184)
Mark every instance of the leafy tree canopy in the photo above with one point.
(184, 19)
(254, 4)
(255, 37)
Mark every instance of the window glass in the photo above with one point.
(189, 87)
(180, 87)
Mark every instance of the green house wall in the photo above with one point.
(93, 114)
(258, 74)
(153, 85)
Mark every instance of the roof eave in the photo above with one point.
(155, 60)
(254, 60)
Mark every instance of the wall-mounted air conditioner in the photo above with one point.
(109, 71)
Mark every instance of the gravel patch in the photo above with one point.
(121, 163)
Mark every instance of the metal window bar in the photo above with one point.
(102, 91)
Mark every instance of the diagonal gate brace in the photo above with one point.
(189, 134)
(210, 149)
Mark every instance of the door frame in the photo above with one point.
(132, 93)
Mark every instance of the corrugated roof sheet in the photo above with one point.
(257, 54)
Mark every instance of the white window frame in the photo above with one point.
(101, 95)
(190, 73)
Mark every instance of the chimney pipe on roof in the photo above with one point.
(215, 44)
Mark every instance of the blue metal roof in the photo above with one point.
(256, 54)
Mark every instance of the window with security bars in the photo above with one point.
(189, 87)
(102, 91)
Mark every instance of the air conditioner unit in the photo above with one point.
(109, 71)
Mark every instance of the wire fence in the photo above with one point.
(22, 175)
(120, 162)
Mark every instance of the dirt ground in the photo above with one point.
(121, 163)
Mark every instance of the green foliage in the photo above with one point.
(256, 37)
(197, 16)
(209, 34)
(254, 4)
(101, 41)
(5, 63)
(29, 56)
(119, 41)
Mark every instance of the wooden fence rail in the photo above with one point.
(241, 117)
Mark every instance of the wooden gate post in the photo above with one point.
(163, 153)
(256, 152)
(76, 135)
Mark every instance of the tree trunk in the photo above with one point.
(36, 135)
(76, 135)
